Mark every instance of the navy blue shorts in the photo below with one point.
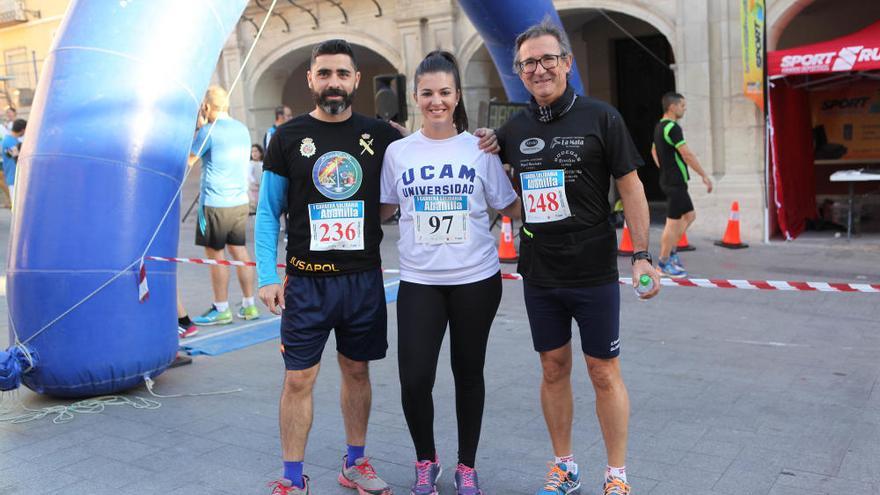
(596, 310)
(353, 305)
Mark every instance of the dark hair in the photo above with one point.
(670, 98)
(259, 148)
(18, 125)
(443, 61)
(545, 28)
(279, 111)
(333, 47)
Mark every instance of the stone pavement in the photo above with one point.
(733, 392)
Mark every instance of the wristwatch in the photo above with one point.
(642, 255)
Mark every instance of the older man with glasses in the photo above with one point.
(564, 149)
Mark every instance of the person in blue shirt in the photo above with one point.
(11, 145)
(223, 145)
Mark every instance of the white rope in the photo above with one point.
(140, 259)
(150, 384)
(67, 413)
(11, 404)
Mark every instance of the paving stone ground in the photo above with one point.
(733, 392)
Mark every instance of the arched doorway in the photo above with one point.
(820, 20)
(280, 78)
(631, 74)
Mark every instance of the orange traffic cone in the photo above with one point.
(731, 237)
(683, 244)
(506, 249)
(626, 243)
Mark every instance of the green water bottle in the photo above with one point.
(646, 284)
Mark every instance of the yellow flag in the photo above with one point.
(752, 16)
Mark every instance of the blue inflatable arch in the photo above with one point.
(110, 131)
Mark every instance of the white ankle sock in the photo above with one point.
(568, 460)
(221, 306)
(247, 301)
(616, 472)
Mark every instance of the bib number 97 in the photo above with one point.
(437, 223)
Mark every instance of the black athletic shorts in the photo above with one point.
(596, 310)
(352, 304)
(217, 227)
(678, 202)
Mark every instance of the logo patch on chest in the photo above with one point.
(307, 147)
(531, 146)
(337, 175)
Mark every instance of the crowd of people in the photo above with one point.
(331, 176)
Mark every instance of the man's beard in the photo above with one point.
(333, 107)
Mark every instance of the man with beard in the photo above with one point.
(325, 167)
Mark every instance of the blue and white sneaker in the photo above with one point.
(214, 317)
(427, 473)
(675, 260)
(560, 481)
(671, 270)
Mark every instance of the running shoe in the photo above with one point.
(466, 481)
(675, 260)
(560, 481)
(285, 487)
(184, 332)
(248, 313)
(615, 486)
(669, 269)
(427, 473)
(362, 477)
(214, 317)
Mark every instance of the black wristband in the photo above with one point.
(642, 255)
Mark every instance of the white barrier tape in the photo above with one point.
(679, 282)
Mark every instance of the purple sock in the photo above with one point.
(355, 452)
(293, 470)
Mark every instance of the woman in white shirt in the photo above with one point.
(449, 270)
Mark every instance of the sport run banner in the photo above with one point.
(752, 17)
(846, 121)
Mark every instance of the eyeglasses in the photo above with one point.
(530, 65)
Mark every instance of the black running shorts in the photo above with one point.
(678, 202)
(217, 227)
(596, 310)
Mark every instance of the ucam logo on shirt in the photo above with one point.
(843, 60)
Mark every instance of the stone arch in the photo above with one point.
(779, 15)
(266, 83)
(380, 46)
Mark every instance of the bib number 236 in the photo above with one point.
(338, 225)
(544, 196)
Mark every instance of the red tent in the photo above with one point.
(791, 169)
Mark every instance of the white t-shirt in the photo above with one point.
(444, 188)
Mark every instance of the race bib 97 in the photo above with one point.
(440, 219)
(543, 194)
(337, 225)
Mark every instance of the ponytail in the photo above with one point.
(443, 61)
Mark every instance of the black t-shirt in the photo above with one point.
(568, 241)
(333, 171)
(668, 137)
